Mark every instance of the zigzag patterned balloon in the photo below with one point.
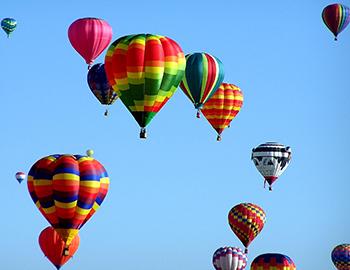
(341, 257)
(273, 261)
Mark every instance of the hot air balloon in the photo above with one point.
(98, 83)
(341, 257)
(271, 159)
(246, 221)
(20, 176)
(89, 152)
(203, 75)
(54, 247)
(8, 25)
(90, 37)
(336, 17)
(229, 258)
(67, 189)
(274, 261)
(223, 106)
(145, 71)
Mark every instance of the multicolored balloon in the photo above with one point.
(271, 159)
(90, 37)
(99, 85)
(54, 247)
(223, 106)
(203, 75)
(145, 71)
(67, 189)
(246, 221)
(229, 258)
(341, 257)
(336, 17)
(8, 25)
(273, 261)
(20, 176)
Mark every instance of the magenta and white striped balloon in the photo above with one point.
(229, 258)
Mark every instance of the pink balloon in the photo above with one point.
(89, 37)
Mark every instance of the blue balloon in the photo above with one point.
(98, 83)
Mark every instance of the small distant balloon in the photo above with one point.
(20, 176)
(336, 17)
(90, 152)
(8, 25)
(341, 257)
(229, 258)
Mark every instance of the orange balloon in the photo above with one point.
(55, 248)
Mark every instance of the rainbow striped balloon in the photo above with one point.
(341, 257)
(272, 261)
(203, 75)
(223, 106)
(67, 189)
(145, 71)
(246, 221)
(8, 25)
(336, 17)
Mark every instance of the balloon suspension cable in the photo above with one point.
(106, 113)
(218, 138)
(198, 113)
(143, 133)
(66, 251)
(265, 183)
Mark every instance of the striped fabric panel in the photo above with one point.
(66, 189)
(145, 71)
(223, 106)
(246, 220)
(273, 261)
(204, 74)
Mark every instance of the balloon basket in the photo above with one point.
(143, 133)
(218, 138)
(106, 113)
(198, 115)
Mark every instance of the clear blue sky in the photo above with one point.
(170, 195)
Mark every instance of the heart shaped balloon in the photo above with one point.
(54, 247)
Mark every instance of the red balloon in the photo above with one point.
(54, 247)
(89, 37)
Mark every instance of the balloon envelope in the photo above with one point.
(20, 176)
(99, 85)
(8, 25)
(271, 159)
(223, 106)
(229, 258)
(67, 189)
(54, 247)
(341, 257)
(90, 37)
(145, 71)
(204, 74)
(246, 221)
(274, 261)
(336, 17)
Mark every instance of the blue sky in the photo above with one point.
(170, 194)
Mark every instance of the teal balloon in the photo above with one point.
(8, 25)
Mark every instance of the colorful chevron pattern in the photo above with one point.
(145, 71)
(246, 221)
(223, 106)
(67, 189)
(272, 261)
